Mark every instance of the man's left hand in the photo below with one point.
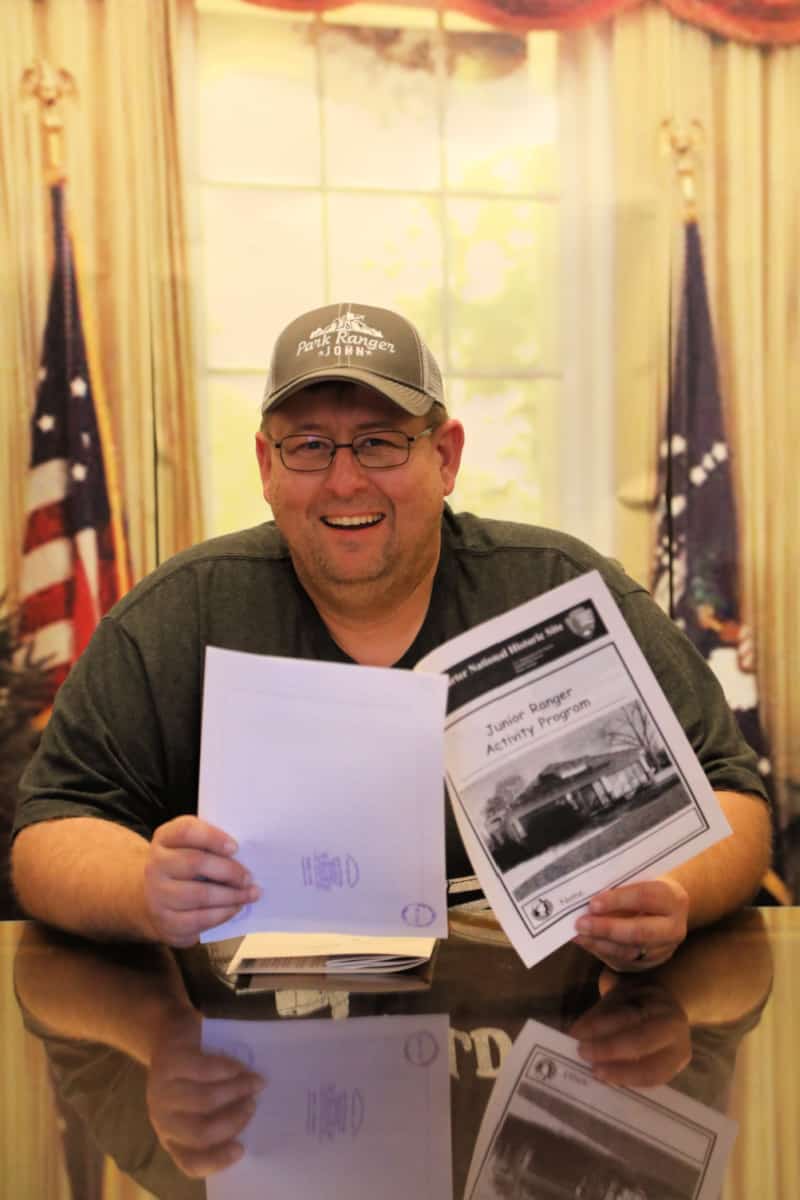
(636, 926)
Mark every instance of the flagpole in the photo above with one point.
(50, 85)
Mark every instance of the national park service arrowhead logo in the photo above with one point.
(581, 621)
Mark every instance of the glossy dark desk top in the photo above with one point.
(106, 1082)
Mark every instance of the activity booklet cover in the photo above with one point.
(567, 769)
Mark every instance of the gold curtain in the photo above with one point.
(126, 208)
(746, 99)
(29, 1140)
(765, 1101)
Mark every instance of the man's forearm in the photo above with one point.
(85, 875)
(727, 875)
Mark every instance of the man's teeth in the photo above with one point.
(353, 522)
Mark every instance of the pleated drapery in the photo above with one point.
(775, 22)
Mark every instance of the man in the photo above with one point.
(364, 563)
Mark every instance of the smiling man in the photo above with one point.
(364, 563)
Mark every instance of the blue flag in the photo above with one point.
(696, 569)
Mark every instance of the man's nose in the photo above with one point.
(345, 475)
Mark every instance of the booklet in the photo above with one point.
(329, 777)
(357, 1108)
(552, 1129)
(328, 953)
(566, 767)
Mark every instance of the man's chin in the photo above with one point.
(353, 577)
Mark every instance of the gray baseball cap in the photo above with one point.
(359, 343)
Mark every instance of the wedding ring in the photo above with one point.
(641, 955)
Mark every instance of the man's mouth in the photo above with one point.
(362, 521)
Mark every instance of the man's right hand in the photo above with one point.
(192, 881)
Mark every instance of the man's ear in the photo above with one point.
(264, 456)
(448, 443)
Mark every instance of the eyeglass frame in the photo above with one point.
(411, 438)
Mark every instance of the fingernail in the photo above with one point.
(229, 846)
(247, 879)
(255, 893)
(583, 925)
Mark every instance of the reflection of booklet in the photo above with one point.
(357, 1108)
(566, 767)
(551, 1129)
(329, 777)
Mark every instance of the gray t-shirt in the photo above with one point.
(123, 741)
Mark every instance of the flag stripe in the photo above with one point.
(44, 525)
(47, 483)
(86, 542)
(42, 608)
(47, 564)
(55, 643)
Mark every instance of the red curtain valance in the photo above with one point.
(775, 22)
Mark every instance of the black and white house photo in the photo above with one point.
(584, 795)
(554, 1147)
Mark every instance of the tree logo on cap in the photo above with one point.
(350, 323)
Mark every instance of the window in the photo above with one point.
(400, 156)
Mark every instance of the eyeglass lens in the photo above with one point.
(305, 452)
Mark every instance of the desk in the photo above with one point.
(86, 1030)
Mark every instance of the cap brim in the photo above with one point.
(411, 399)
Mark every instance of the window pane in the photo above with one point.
(263, 264)
(503, 261)
(500, 125)
(258, 113)
(380, 108)
(234, 487)
(508, 467)
(388, 250)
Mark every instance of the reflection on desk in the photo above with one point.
(135, 1060)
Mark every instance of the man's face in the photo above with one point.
(359, 536)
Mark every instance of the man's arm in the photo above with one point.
(728, 874)
(101, 880)
(640, 925)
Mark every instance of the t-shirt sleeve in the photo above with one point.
(696, 697)
(101, 753)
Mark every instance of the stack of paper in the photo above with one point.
(329, 777)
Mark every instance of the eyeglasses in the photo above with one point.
(375, 451)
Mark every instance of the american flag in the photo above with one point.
(74, 559)
(696, 569)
